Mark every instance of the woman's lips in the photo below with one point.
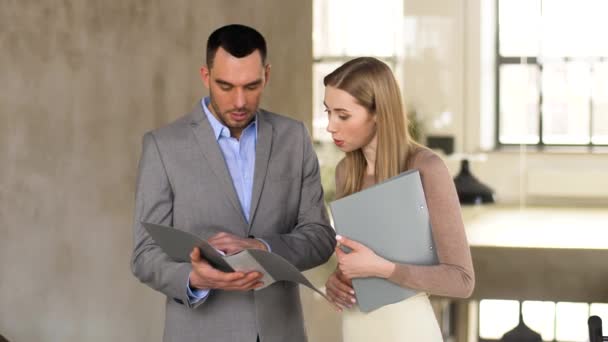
(338, 143)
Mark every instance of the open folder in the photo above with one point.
(393, 220)
(178, 244)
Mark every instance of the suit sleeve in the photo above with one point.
(311, 242)
(154, 203)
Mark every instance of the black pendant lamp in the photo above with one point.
(470, 189)
(521, 333)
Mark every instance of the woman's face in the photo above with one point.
(350, 124)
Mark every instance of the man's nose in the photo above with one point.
(239, 98)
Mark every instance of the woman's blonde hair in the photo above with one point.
(372, 84)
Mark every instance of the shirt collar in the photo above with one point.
(219, 129)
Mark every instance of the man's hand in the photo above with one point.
(340, 290)
(231, 244)
(204, 276)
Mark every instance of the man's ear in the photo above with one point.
(205, 75)
(266, 74)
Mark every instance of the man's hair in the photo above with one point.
(237, 40)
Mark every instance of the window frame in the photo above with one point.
(535, 61)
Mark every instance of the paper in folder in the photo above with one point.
(393, 220)
(178, 244)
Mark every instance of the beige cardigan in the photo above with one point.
(454, 276)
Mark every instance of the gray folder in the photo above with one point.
(392, 219)
(178, 244)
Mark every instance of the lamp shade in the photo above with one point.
(521, 333)
(470, 189)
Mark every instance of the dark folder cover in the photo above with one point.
(178, 244)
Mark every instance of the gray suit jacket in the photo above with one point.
(184, 182)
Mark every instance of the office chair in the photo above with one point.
(595, 329)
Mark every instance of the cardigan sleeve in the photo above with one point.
(454, 275)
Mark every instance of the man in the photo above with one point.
(242, 178)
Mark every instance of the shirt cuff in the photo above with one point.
(265, 243)
(195, 295)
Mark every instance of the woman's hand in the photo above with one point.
(361, 262)
(340, 290)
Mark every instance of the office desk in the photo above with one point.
(539, 253)
(557, 254)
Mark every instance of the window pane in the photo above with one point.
(574, 28)
(566, 100)
(319, 119)
(354, 28)
(519, 23)
(496, 317)
(600, 103)
(590, 28)
(600, 310)
(559, 39)
(519, 96)
(571, 321)
(540, 317)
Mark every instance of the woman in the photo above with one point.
(368, 123)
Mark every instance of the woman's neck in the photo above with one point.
(369, 152)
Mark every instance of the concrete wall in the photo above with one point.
(81, 82)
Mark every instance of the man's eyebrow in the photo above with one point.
(222, 82)
(253, 83)
(226, 83)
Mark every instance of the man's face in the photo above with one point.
(235, 87)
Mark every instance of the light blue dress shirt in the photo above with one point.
(239, 155)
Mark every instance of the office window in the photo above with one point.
(571, 321)
(540, 317)
(346, 29)
(496, 317)
(552, 69)
(561, 321)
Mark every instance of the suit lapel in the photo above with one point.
(206, 138)
(262, 157)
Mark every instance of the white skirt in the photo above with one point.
(412, 319)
